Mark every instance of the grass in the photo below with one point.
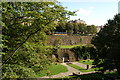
(81, 69)
(68, 46)
(112, 73)
(53, 70)
(89, 62)
(64, 46)
(91, 76)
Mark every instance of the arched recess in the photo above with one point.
(65, 57)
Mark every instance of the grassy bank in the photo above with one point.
(81, 69)
(91, 76)
(66, 46)
(53, 70)
(89, 62)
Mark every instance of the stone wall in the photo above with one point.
(69, 40)
(67, 54)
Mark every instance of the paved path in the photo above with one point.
(70, 72)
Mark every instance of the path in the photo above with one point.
(69, 72)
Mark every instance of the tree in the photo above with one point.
(84, 52)
(61, 27)
(69, 28)
(76, 28)
(91, 29)
(73, 27)
(24, 30)
(107, 42)
(82, 28)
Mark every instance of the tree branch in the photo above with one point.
(23, 43)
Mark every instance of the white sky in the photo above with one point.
(96, 12)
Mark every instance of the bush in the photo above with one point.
(17, 71)
(84, 52)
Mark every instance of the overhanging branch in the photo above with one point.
(13, 53)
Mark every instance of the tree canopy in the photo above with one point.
(73, 27)
(107, 42)
(25, 25)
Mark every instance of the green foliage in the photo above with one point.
(89, 62)
(26, 19)
(69, 28)
(82, 28)
(91, 30)
(61, 27)
(17, 71)
(25, 25)
(107, 43)
(73, 27)
(84, 52)
(30, 59)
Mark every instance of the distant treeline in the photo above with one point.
(78, 28)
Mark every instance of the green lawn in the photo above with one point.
(52, 70)
(112, 73)
(65, 46)
(89, 62)
(91, 76)
(68, 46)
(81, 69)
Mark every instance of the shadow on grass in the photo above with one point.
(90, 76)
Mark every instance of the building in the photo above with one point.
(99, 28)
(80, 21)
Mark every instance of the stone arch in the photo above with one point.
(66, 57)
